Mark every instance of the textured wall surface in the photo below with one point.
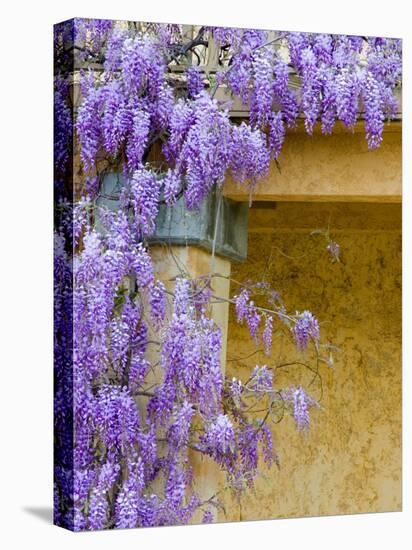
(350, 462)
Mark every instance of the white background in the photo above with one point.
(26, 273)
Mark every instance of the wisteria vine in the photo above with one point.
(139, 383)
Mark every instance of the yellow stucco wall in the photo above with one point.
(351, 460)
(329, 168)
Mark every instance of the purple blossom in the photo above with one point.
(169, 33)
(137, 139)
(112, 60)
(175, 489)
(157, 300)
(240, 74)
(374, 116)
(236, 390)
(117, 419)
(227, 35)
(276, 134)
(202, 295)
(283, 94)
(311, 89)
(194, 81)
(181, 302)
(172, 185)
(161, 405)
(127, 502)
(99, 504)
(250, 156)
(179, 430)
(143, 267)
(248, 440)
(323, 48)
(139, 342)
(297, 44)
(117, 119)
(163, 107)
(118, 236)
(142, 65)
(143, 194)
(89, 264)
(385, 61)
(88, 123)
(328, 105)
(119, 343)
(148, 449)
(390, 103)
(306, 326)
(148, 507)
(262, 96)
(241, 303)
(91, 33)
(181, 120)
(211, 386)
(219, 438)
(139, 367)
(83, 481)
(267, 334)
(348, 86)
(63, 125)
(301, 403)
(261, 379)
(206, 151)
(267, 445)
(207, 516)
(253, 319)
(80, 218)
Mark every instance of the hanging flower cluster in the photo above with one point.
(136, 102)
(305, 327)
(138, 374)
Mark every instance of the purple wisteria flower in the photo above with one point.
(180, 428)
(181, 300)
(207, 517)
(99, 505)
(236, 390)
(253, 319)
(306, 326)
(142, 194)
(372, 98)
(267, 334)
(172, 185)
(127, 502)
(88, 122)
(250, 156)
(63, 125)
(227, 35)
(219, 439)
(262, 96)
(276, 133)
(261, 379)
(157, 300)
(241, 303)
(194, 81)
(142, 265)
(301, 402)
